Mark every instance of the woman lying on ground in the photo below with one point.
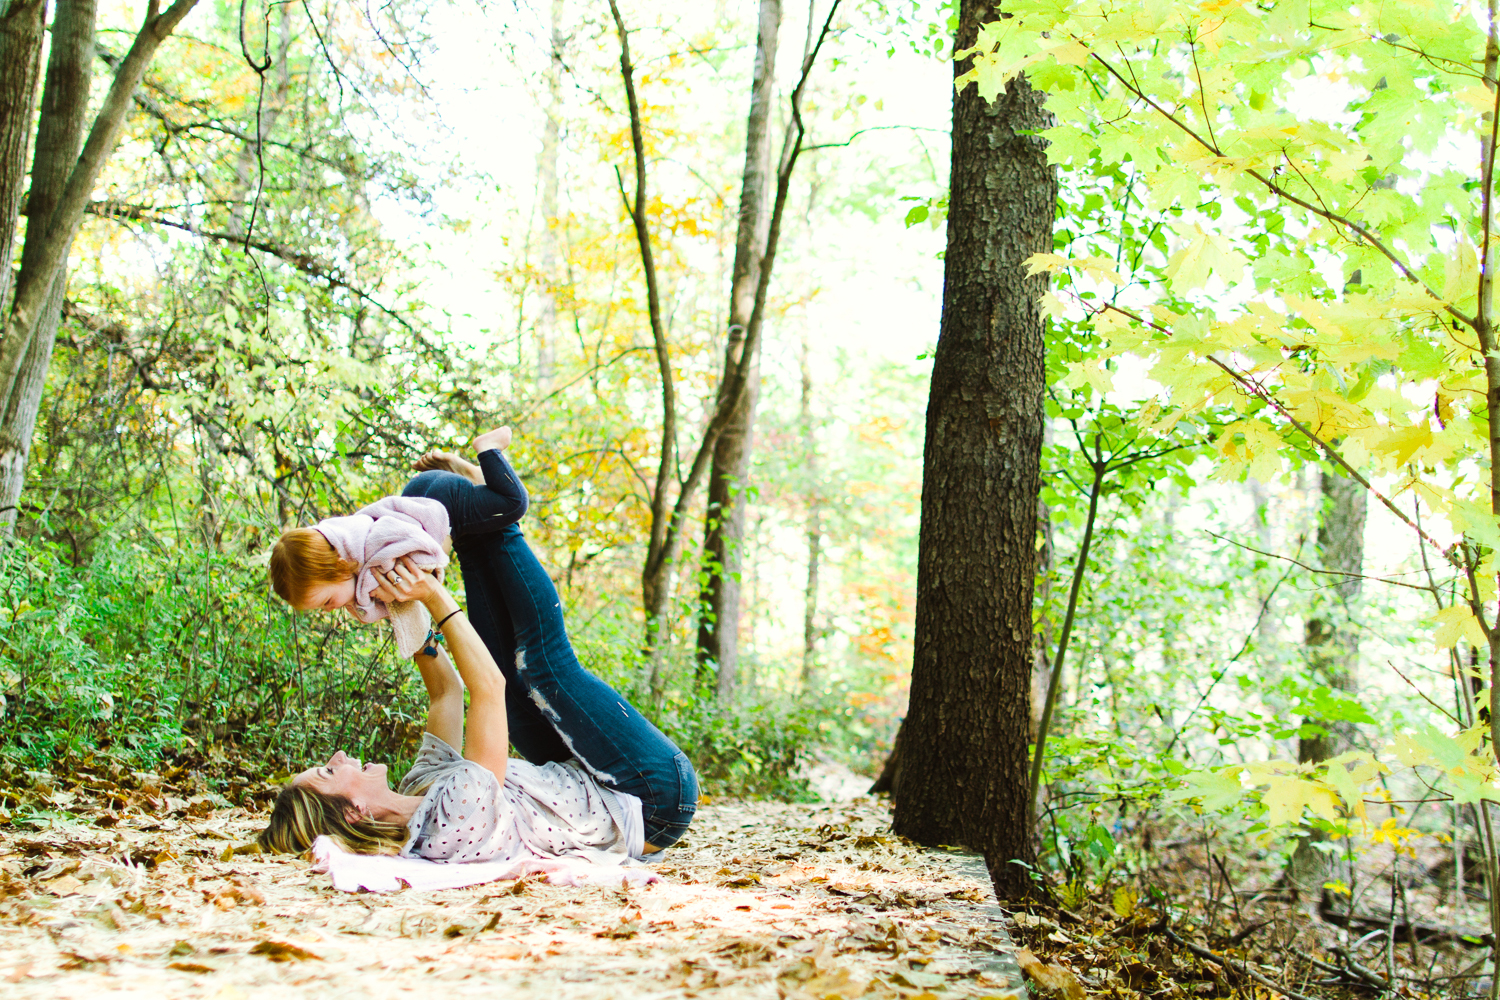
(598, 780)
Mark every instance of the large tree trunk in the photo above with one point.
(59, 137)
(20, 60)
(724, 535)
(965, 747)
(1332, 644)
(51, 234)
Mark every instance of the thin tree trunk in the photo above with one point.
(1054, 678)
(1041, 666)
(724, 535)
(1489, 346)
(59, 137)
(546, 323)
(814, 530)
(247, 165)
(667, 519)
(661, 549)
(1332, 645)
(1268, 631)
(965, 741)
(43, 267)
(20, 62)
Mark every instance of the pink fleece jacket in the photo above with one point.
(375, 537)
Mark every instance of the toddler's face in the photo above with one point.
(328, 596)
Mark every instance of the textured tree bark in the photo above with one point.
(20, 61)
(965, 741)
(724, 534)
(54, 233)
(1332, 646)
(59, 137)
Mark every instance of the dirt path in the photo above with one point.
(764, 900)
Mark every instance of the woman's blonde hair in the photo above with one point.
(301, 815)
(302, 559)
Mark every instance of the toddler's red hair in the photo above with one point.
(301, 560)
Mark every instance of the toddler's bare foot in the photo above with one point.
(446, 461)
(497, 438)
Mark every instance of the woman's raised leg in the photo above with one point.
(531, 732)
(472, 510)
(605, 732)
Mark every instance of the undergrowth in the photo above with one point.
(143, 655)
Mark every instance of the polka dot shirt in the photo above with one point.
(542, 811)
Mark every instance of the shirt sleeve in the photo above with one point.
(476, 510)
(435, 757)
(462, 816)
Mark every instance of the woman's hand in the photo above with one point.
(405, 581)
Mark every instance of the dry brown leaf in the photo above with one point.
(278, 951)
(1050, 980)
(67, 885)
(622, 931)
(840, 983)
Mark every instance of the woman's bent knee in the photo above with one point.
(674, 806)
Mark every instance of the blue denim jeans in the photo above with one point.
(556, 709)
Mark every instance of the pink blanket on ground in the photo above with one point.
(384, 873)
(375, 537)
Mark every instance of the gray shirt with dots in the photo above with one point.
(541, 810)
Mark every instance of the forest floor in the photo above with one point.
(763, 900)
(131, 885)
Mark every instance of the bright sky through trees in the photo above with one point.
(875, 284)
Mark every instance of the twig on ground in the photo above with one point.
(1351, 971)
(1370, 976)
(1238, 966)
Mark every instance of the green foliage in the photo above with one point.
(753, 749)
(137, 653)
(143, 652)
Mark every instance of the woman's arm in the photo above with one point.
(486, 732)
(445, 698)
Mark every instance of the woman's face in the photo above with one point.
(346, 776)
(328, 596)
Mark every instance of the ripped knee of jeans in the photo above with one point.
(536, 696)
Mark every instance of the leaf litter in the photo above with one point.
(141, 888)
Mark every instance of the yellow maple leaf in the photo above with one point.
(1393, 833)
(1409, 752)
(1289, 795)
(1404, 442)
(1458, 622)
(1090, 372)
(1461, 273)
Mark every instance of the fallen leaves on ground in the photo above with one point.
(762, 900)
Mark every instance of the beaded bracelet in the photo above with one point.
(435, 637)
